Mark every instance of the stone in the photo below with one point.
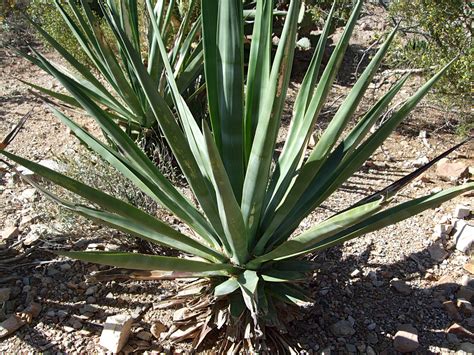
(342, 328)
(466, 293)
(442, 229)
(406, 339)
(372, 326)
(51, 164)
(465, 306)
(10, 232)
(461, 211)
(91, 290)
(464, 236)
(351, 348)
(157, 328)
(437, 252)
(452, 311)
(4, 294)
(469, 267)
(116, 332)
(453, 339)
(460, 330)
(304, 43)
(370, 351)
(372, 338)
(418, 163)
(423, 134)
(401, 287)
(451, 171)
(466, 347)
(28, 194)
(36, 232)
(355, 273)
(144, 335)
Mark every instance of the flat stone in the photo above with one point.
(10, 232)
(401, 287)
(437, 252)
(406, 339)
(462, 211)
(451, 171)
(342, 328)
(28, 194)
(452, 311)
(116, 332)
(157, 328)
(464, 236)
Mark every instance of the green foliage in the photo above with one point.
(247, 206)
(435, 31)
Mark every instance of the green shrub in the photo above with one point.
(434, 32)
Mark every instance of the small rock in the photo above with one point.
(91, 290)
(10, 232)
(442, 229)
(372, 326)
(452, 311)
(372, 338)
(406, 339)
(466, 293)
(65, 267)
(304, 43)
(469, 267)
(464, 236)
(465, 306)
(423, 134)
(437, 252)
(370, 351)
(157, 328)
(144, 335)
(460, 330)
(355, 273)
(342, 328)
(466, 347)
(453, 339)
(461, 211)
(91, 299)
(4, 294)
(116, 332)
(28, 194)
(76, 324)
(401, 287)
(451, 171)
(351, 348)
(418, 163)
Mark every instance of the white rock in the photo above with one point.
(28, 194)
(442, 229)
(116, 332)
(464, 236)
(423, 134)
(10, 232)
(304, 43)
(420, 162)
(461, 211)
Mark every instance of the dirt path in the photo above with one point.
(353, 283)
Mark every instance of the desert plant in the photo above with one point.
(243, 247)
(117, 87)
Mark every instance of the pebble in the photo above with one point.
(91, 299)
(406, 339)
(370, 351)
(116, 331)
(401, 287)
(157, 328)
(4, 294)
(461, 211)
(351, 348)
(452, 311)
(91, 290)
(372, 338)
(466, 347)
(464, 236)
(342, 328)
(437, 252)
(372, 326)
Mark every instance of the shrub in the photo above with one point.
(243, 245)
(433, 33)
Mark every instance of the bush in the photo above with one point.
(432, 33)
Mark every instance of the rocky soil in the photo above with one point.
(405, 288)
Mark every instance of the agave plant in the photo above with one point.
(243, 246)
(117, 88)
